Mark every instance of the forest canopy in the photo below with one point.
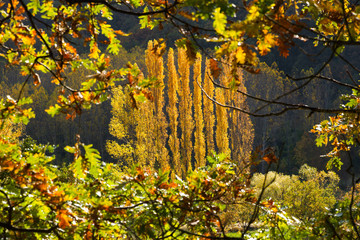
(188, 192)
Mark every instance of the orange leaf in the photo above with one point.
(121, 33)
(131, 79)
(284, 49)
(42, 187)
(270, 39)
(64, 219)
(274, 209)
(164, 186)
(24, 73)
(270, 158)
(72, 98)
(173, 185)
(152, 191)
(20, 10)
(214, 68)
(140, 174)
(70, 48)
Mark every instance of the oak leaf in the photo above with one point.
(214, 68)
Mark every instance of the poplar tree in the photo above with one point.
(145, 135)
(155, 66)
(222, 125)
(173, 113)
(241, 134)
(185, 108)
(241, 131)
(132, 129)
(123, 120)
(209, 110)
(199, 146)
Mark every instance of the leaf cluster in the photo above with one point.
(341, 131)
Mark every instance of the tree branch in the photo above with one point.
(29, 230)
(113, 8)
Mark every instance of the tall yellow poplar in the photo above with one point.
(185, 110)
(222, 125)
(199, 146)
(241, 132)
(209, 115)
(173, 113)
(155, 66)
(145, 135)
(241, 128)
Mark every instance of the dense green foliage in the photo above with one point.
(305, 196)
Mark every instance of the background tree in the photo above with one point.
(122, 126)
(305, 196)
(155, 67)
(222, 127)
(135, 134)
(144, 134)
(209, 109)
(186, 121)
(147, 119)
(173, 114)
(199, 145)
(241, 133)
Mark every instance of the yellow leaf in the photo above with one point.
(220, 21)
(274, 209)
(87, 96)
(253, 13)
(27, 40)
(240, 55)
(56, 81)
(270, 39)
(263, 48)
(40, 67)
(94, 50)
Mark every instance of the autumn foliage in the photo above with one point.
(45, 41)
